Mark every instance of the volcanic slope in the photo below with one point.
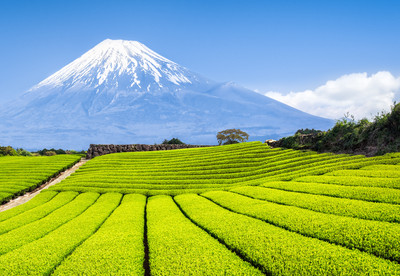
(122, 91)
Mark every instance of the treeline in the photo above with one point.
(10, 151)
(376, 137)
(50, 152)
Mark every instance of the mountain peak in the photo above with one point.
(118, 42)
(128, 48)
(123, 92)
(124, 65)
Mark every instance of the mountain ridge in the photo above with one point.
(124, 93)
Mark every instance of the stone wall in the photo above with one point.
(97, 150)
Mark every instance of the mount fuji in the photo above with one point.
(122, 92)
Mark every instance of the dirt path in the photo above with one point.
(28, 196)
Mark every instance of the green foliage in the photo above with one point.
(116, 248)
(173, 141)
(170, 231)
(30, 232)
(231, 136)
(19, 175)
(82, 152)
(169, 172)
(290, 142)
(382, 167)
(51, 152)
(39, 212)
(202, 169)
(368, 173)
(378, 238)
(378, 137)
(279, 251)
(372, 194)
(334, 214)
(41, 256)
(345, 135)
(8, 151)
(353, 181)
(308, 131)
(33, 203)
(325, 204)
(22, 152)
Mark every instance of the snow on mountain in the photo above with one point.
(123, 92)
(121, 64)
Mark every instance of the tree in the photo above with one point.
(52, 151)
(8, 151)
(307, 131)
(173, 141)
(22, 152)
(59, 151)
(231, 136)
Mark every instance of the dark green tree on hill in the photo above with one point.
(231, 136)
(8, 151)
(173, 141)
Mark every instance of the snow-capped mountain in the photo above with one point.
(121, 65)
(123, 92)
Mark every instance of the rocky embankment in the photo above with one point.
(97, 150)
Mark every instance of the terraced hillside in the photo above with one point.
(203, 169)
(19, 174)
(232, 210)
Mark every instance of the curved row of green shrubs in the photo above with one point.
(200, 169)
(283, 212)
(19, 175)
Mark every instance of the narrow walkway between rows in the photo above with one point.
(28, 196)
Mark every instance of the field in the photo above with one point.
(241, 209)
(19, 174)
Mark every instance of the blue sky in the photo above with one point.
(272, 46)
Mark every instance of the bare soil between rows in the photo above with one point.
(28, 196)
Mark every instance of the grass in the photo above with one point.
(20, 174)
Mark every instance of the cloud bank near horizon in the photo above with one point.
(358, 94)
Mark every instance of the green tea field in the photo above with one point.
(20, 174)
(241, 209)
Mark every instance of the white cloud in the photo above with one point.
(359, 94)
